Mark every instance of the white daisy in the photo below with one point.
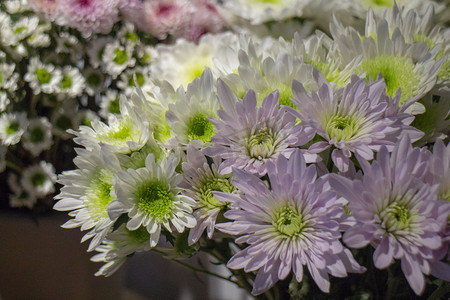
(145, 54)
(38, 136)
(118, 246)
(72, 82)
(8, 78)
(17, 6)
(86, 193)
(94, 79)
(96, 48)
(12, 127)
(126, 80)
(150, 196)
(20, 30)
(183, 61)
(116, 58)
(109, 103)
(43, 77)
(188, 117)
(39, 179)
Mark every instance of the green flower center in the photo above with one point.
(145, 59)
(377, 3)
(200, 128)
(397, 71)
(137, 159)
(43, 76)
(285, 94)
(342, 127)
(214, 184)
(330, 74)
(63, 122)
(288, 222)
(120, 56)
(114, 106)
(38, 179)
(396, 216)
(261, 144)
(155, 199)
(139, 78)
(66, 82)
(12, 128)
(37, 135)
(98, 195)
(131, 36)
(161, 131)
(119, 135)
(138, 236)
(20, 29)
(93, 79)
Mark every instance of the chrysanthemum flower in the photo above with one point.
(182, 62)
(295, 223)
(12, 127)
(109, 103)
(356, 119)
(39, 179)
(397, 213)
(38, 136)
(150, 196)
(116, 58)
(20, 197)
(88, 16)
(94, 79)
(118, 245)
(247, 137)
(126, 82)
(8, 78)
(124, 133)
(86, 193)
(72, 82)
(200, 181)
(410, 67)
(43, 77)
(188, 116)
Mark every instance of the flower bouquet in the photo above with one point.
(312, 165)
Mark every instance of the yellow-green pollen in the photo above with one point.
(397, 71)
(206, 196)
(330, 75)
(342, 127)
(200, 128)
(98, 195)
(37, 135)
(120, 56)
(131, 36)
(139, 78)
(114, 106)
(377, 3)
(261, 144)
(12, 128)
(20, 29)
(119, 135)
(155, 199)
(43, 76)
(396, 216)
(38, 179)
(288, 222)
(66, 82)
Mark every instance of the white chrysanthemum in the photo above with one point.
(72, 82)
(125, 133)
(43, 77)
(16, 6)
(94, 79)
(260, 11)
(40, 38)
(183, 61)
(8, 78)
(109, 103)
(116, 58)
(146, 54)
(12, 127)
(188, 117)
(118, 246)
(126, 80)
(20, 197)
(127, 34)
(67, 43)
(19, 30)
(87, 191)
(39, 179)
(38, 136)
(410, 67)
(150, 196)
(96, 48)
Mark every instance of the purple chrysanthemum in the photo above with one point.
(358, 119)
(296, 223)
(247, 137)
(200, 180)
(89, 16)
(398, 213)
